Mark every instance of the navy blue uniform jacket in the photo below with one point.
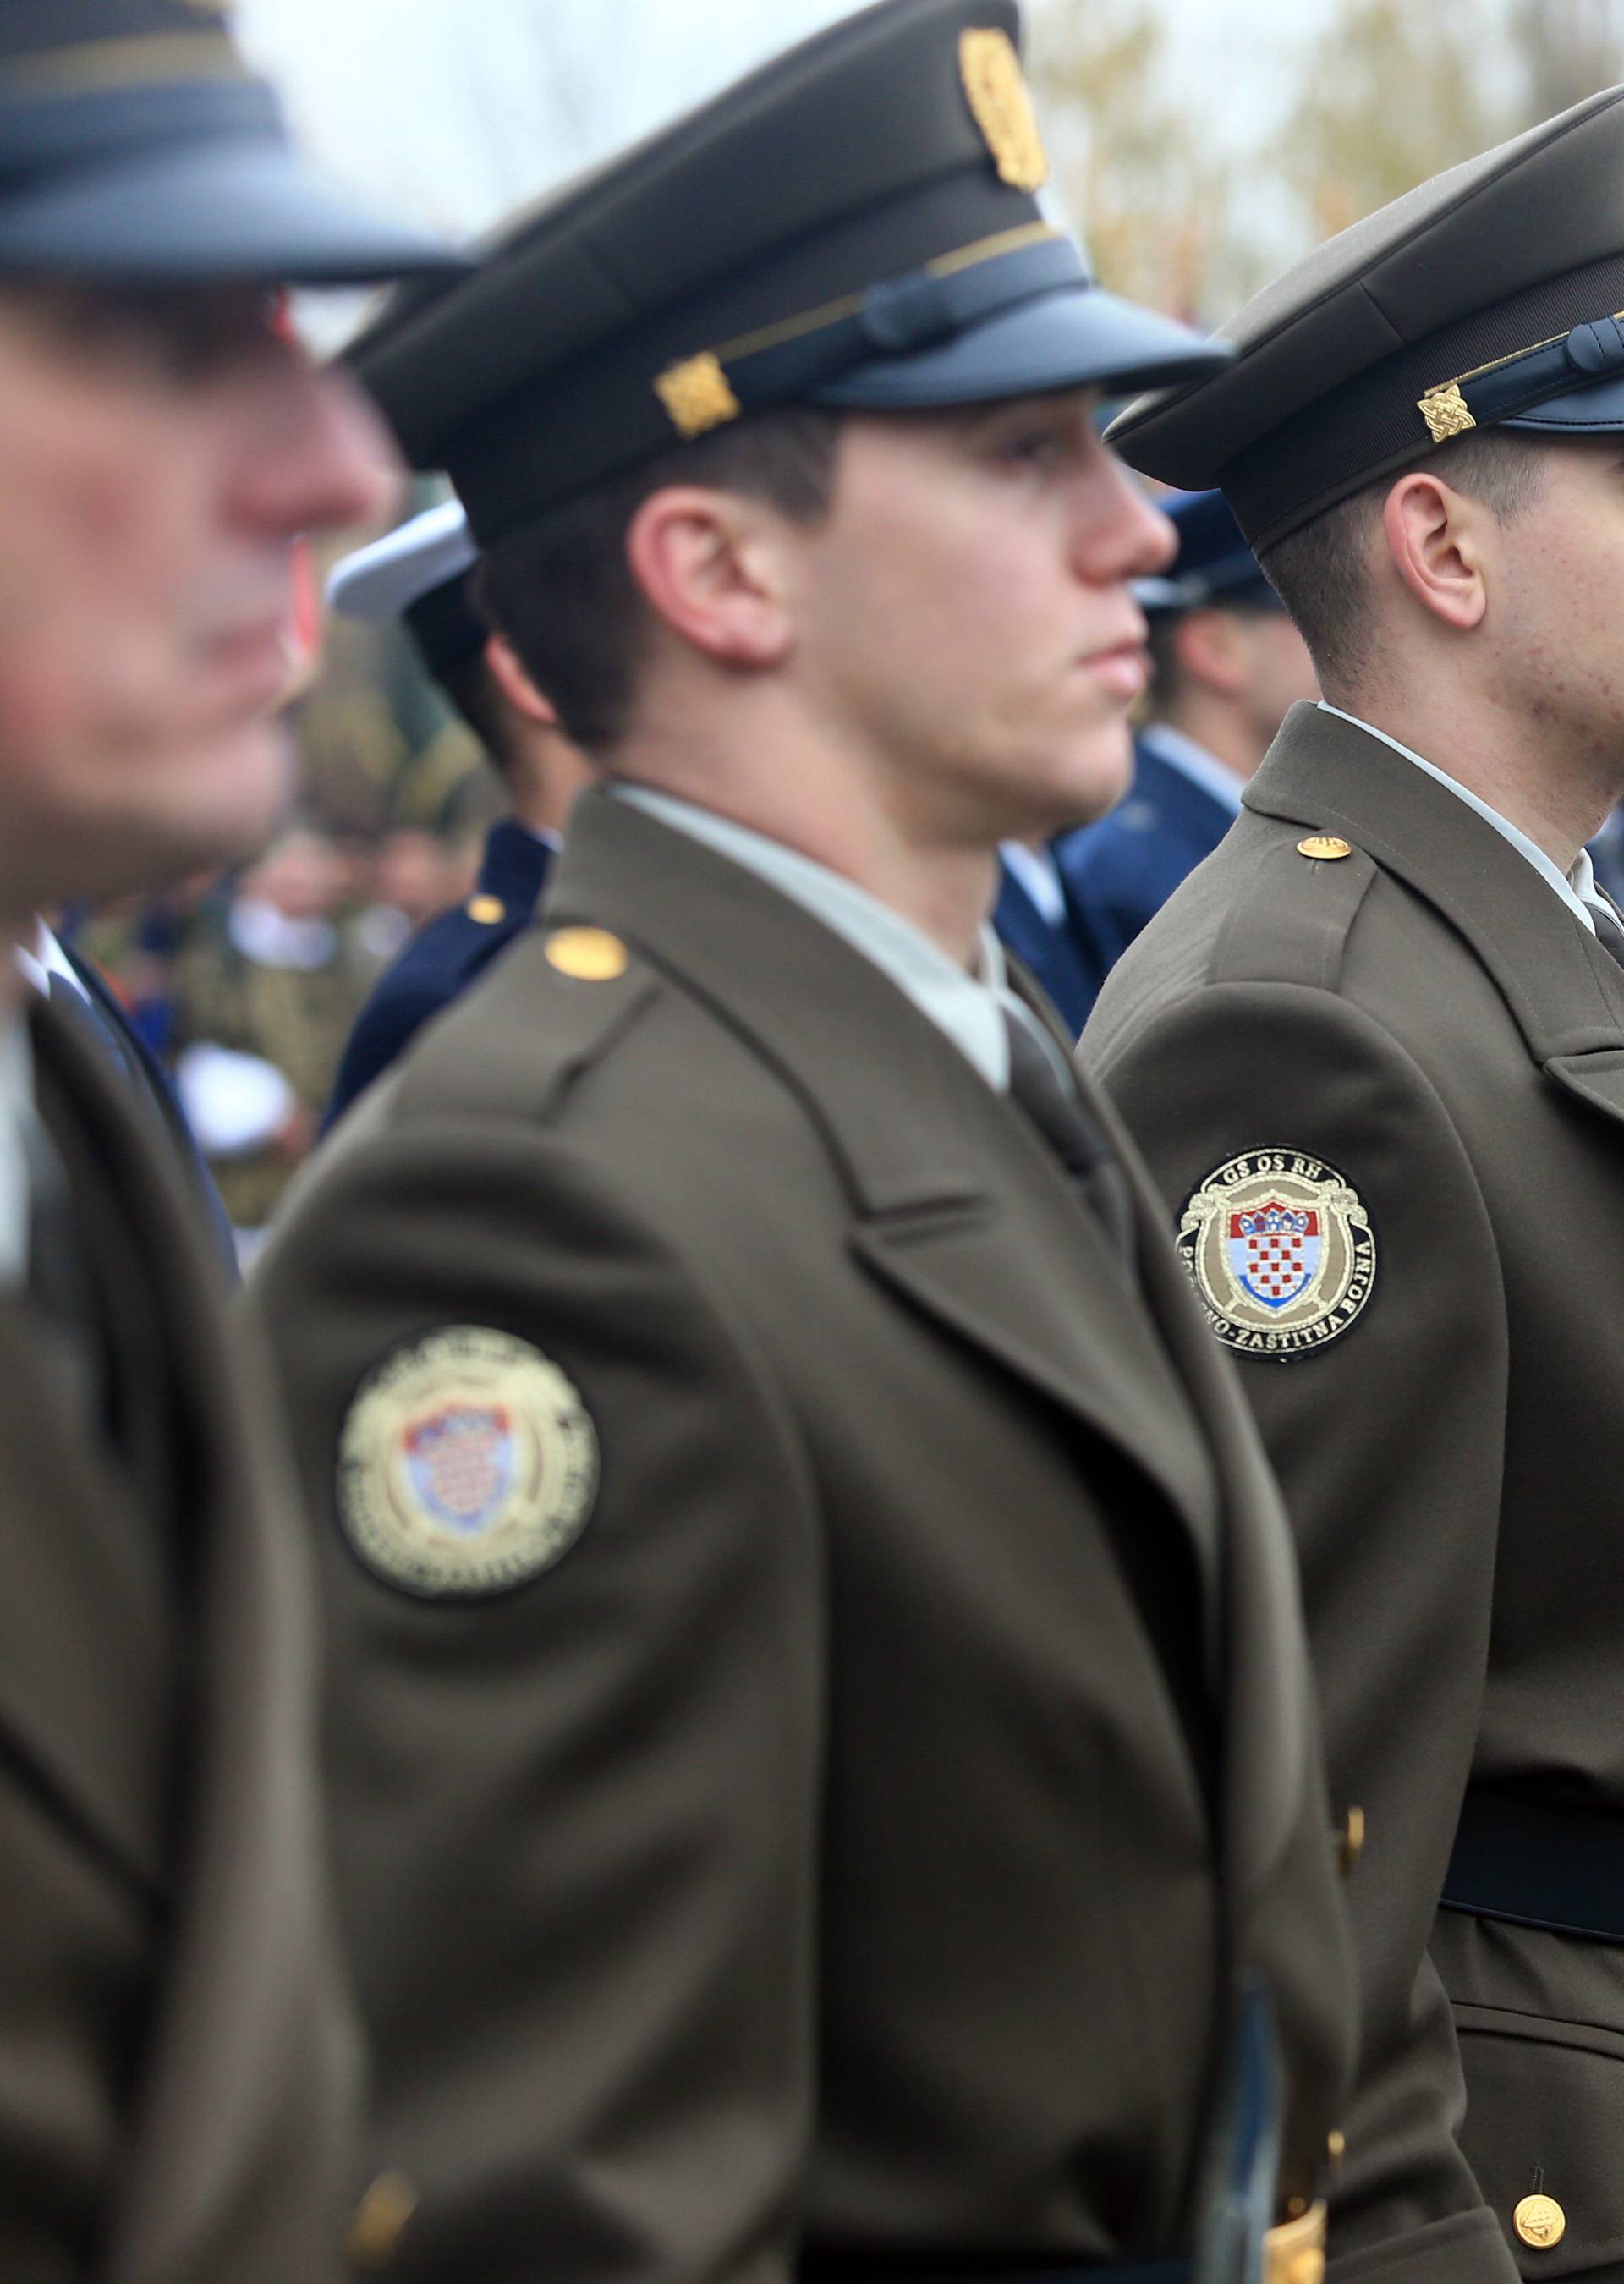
(442, 959)
(1121, 870)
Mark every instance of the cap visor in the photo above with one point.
(229, 208)
(1592, 410)
(1070, 339)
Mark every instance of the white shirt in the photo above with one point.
(1577, 889)
(47, 959)
(1194, 761)
(967, 1009)
(1039, 875)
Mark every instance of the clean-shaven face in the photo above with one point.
(967, 620)
(159, 453)
(1552, 651)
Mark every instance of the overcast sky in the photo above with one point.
(452, 111)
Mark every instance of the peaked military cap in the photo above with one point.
(135, 147)
(1491, 295)
(854, 224)
(1213, 563)
(417, 573)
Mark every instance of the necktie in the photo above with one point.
(1042, 1087)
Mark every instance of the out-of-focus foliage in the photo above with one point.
(1376, 96)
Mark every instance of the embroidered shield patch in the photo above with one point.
(466, 1466)
(1280, 1248)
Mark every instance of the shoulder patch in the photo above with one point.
(1280, 1248)
(467, 1465)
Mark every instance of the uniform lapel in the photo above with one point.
(956, 1207)
(236, 1877)
(1565, 992)
(96, 1733)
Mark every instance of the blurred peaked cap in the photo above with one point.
(136, 149)
(1213, 563)
(1485, 297)
(379, 580)
(417, 573)
(855, 224)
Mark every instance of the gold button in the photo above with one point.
(591, 955)
(1294, 2251)
(1541, 2222)
(1350, 1840)
(379, 2219)
(1325, 846)
(487, 910)
(1336, 2149)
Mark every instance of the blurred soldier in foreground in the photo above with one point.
(1375, 1049)
(173, 2049)
(420, 575)
(822, 1746)
(1226, 664)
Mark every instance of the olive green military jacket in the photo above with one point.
(802, 1852)
(1412, 1044)
(176, 2064)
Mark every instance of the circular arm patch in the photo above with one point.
(1279, 1246)
(467, 1464)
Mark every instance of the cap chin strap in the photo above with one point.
(919, 310)
(1591, 352)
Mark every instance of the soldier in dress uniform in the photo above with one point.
(176, 2056)
(1038, 918)
(1226, 664)
(824, 1778)
(419, 575)
(1375, 1051)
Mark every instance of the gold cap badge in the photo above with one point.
(1325, 846)
(990, 69)
(1445, 412)
(588, 954)
(697, 394)
(1541, 2222)
(487, 910)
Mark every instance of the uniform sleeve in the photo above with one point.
(575, 1818)
(1387, 1438)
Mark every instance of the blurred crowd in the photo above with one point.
(245, 985)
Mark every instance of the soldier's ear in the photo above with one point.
(710, 564)
(1211, 650)
(515, 685)
(1437, 538)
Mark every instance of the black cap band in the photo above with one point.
(1373, 427)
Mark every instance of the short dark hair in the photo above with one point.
(1318, 572)
(473, 690)
(562, 589)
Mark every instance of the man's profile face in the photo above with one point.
(1554, 653)
(159, 452)
(967, 616)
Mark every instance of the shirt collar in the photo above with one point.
(968, 1009)
(1577, 889)
(46, 959)
(1193, 762)
(1035, 870)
